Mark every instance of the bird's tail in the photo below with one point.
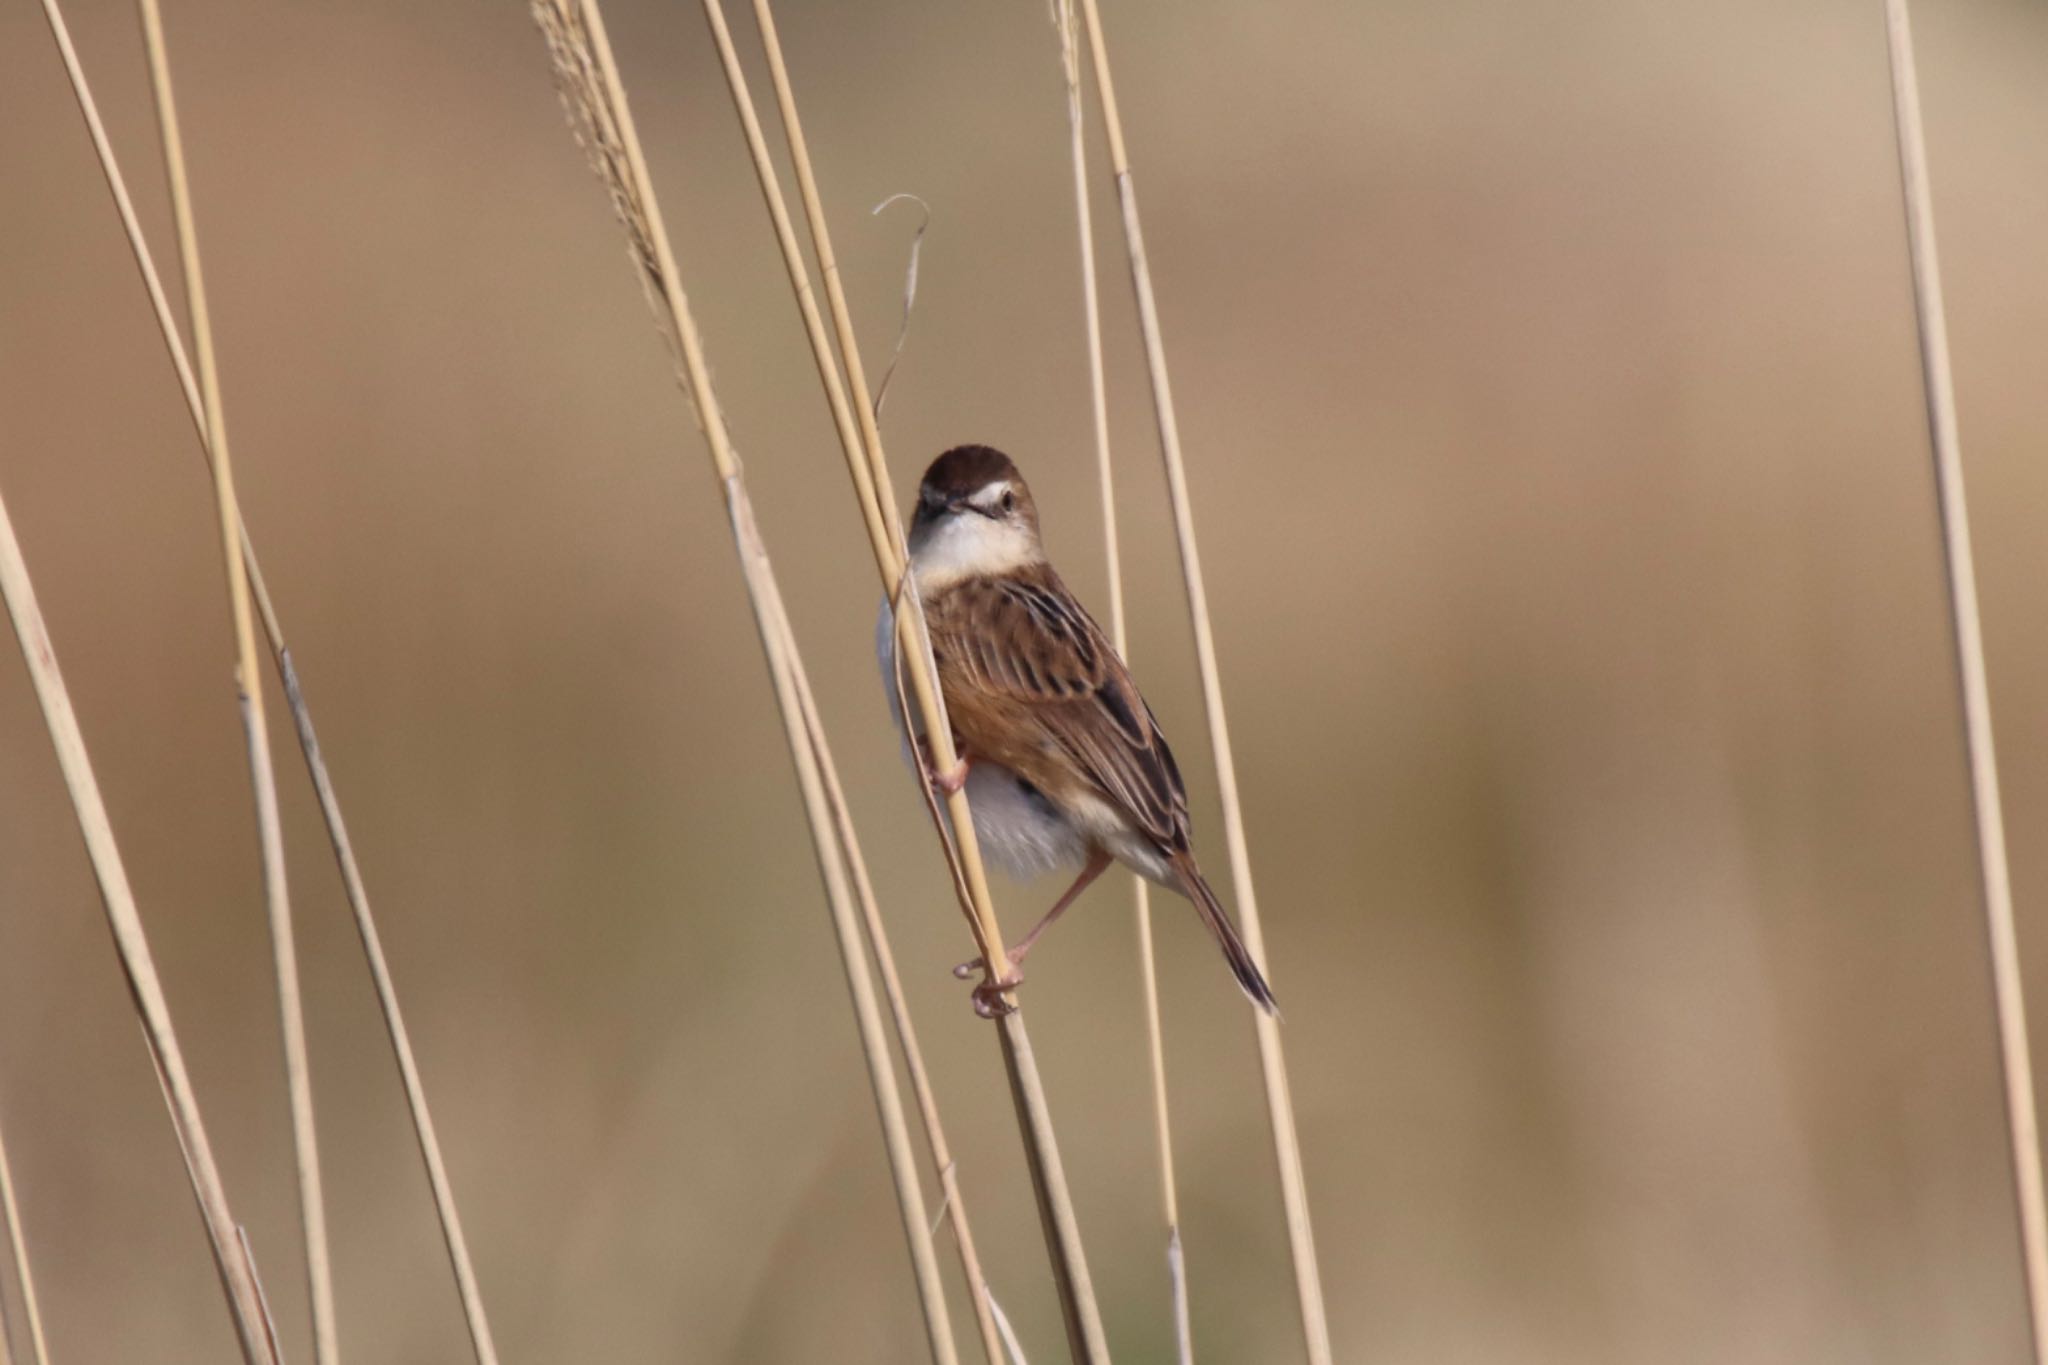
(1242, 966)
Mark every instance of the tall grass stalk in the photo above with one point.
(249, 690)
(1273, 1061)
(844, 423)
(24, 1278)
(1939, 383)
(237, 1273)
(262, 1299)
(452, 1239)
(869, 469)
(302, 718)
(1012, 1348)
(806, 748)
(868, 466)
(952, 1206)
(1098, 396)
(595, 100)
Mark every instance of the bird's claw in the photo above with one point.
(988, 997)
(949, 782)
(990, 1001)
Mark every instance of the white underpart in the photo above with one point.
(1098, 821)
(1019, 831)
(966, 545)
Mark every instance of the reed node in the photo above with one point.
(249, 694)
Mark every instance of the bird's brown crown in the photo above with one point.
(964, 470)
(974, 518)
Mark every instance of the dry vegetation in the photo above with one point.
(1236, 1274)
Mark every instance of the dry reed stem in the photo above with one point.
(1939, 384)
(927, 786)
(1098, 395)
(843, 420)
(595, 99)
(249, 689)
(309, 744)
(1061, 1227)
(262, 1299)
(17, 1246)
(1272, 1058)
(236, 1272)
(885, 543)
(467, 1288)
(951, 1206)
(884, 528)
(1011, 1346)
(885, 534)
(330, 808)
(806, 748)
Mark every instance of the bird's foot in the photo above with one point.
(953, 779)
(966, 970)
(949, 781)
(988, 997)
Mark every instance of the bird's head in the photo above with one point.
(974, 518)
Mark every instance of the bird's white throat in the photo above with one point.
(970, 546)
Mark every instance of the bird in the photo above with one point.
(1061, 758)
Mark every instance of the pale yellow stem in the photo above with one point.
(1098, 394)
(951, 1202)
(869, 468)
(1272, 1058)
(590, 80)
(249, 686)
(236, 1273)
(17, 1246)
(330, 808)
(1938, 380)
(889, 548)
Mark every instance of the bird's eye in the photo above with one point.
(1009, 502)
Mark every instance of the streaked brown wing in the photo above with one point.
(1026, 640)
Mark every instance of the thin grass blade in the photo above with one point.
(302, 718)
(861, 445)
(951, 1206)
(249, 689)
(587, 76)
(1272, 1057)
(1971, 674)
(237, 1274)
(24, 1277)
(1098, 396)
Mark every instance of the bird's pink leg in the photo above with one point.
(1098, 862)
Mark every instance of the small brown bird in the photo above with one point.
(1061, 758)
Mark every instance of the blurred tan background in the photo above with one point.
(1553, 421)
